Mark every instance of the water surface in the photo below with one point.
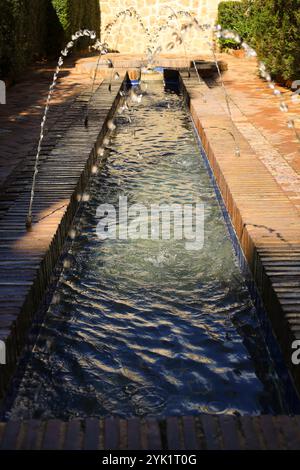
(147, 328)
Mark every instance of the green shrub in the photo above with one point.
(276, 31)
(272, 27)
(233, 16)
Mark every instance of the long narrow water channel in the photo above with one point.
(147, 327)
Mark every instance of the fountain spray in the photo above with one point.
(64, 53)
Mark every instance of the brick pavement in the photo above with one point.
(257, 116)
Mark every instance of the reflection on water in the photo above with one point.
(146, 327)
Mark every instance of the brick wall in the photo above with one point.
(128, 37)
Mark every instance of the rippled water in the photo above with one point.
(147, 327)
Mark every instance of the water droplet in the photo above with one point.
(237, 38)
(85, 197)
(283, 107)
(67, 263)
(251, 53)
(262, 67)
(170, 46)
(56, 299)
(111, 125)
(291, 124)
(228, 34)
(72, 234)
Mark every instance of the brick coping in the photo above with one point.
(203, 432)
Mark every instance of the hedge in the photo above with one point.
(276, 29)
(272, 27)
(77, 14)
(22, 34)
(232, 16)
(30, 29)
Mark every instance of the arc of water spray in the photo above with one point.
(131, 12)
(227, 97)
(102, 51)
(227, 100)
(227, 34)
(194, 22)
(64, 53)
(103, 48)
(199, 26)
(123, 15)
(180, 35)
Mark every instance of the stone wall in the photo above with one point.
(127, 36)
